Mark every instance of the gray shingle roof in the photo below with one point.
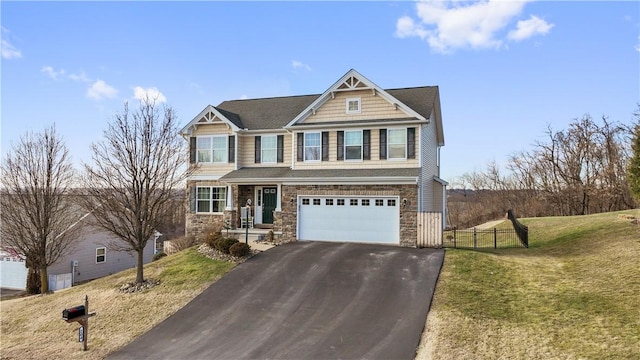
(234, 118)
(276, 112)
(267, 113)
(286, 173)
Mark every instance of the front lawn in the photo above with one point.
(574, 294)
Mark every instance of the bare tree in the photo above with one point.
(633, 170)
(37, 215)
(129, 185)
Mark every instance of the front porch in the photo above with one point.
(257, 238)
(261, 200)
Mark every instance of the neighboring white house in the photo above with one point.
(90, 259)
(13, 271)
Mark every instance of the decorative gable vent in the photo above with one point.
(208, 117)
(352, 83)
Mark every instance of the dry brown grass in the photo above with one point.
(32, 327)
(572, 295)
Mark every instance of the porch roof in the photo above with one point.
(286, 175)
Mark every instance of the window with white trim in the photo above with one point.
(101, 255)
(312, 146)
(269, 149)
(211, 199)
(353, 145)
(397, 143)
(353, 105)
(212, 149)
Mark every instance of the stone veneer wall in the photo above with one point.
(286, 220)
(199, 225)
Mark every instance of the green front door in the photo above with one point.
(269, 201)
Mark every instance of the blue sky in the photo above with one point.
(505, 70)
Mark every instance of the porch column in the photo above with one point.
(229, 198)
(279, 198)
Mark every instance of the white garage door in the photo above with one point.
(354, 219)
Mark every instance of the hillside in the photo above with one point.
(574, 294)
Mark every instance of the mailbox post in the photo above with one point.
(81, 315)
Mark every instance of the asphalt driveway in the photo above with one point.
(304, 300)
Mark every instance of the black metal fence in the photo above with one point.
(485, 238)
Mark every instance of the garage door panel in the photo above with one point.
(324, 220)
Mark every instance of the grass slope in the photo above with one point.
(32, 327)
(574, 294)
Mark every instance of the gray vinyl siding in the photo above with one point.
(429, 166)
(438, 190)
(85, 253)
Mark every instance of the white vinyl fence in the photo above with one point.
(429, 230)
(59, 282)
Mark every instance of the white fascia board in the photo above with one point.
(323, 181)
(278, 131)
(204, 177)
(347, 124)
(442, 182)
(406, 180)
(188, 129)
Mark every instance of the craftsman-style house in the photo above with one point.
(355, 163)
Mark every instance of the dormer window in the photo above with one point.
(353, 106)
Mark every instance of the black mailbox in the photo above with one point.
(74, 312)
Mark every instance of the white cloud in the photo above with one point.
(528, 28)
(100, 90)
(638, 46)
(82, 77)
(450, 25)
(300, 65)
(151, 93)
(7, 50)
(406, 27)
(51, 72)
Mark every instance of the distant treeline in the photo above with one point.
(577, 171)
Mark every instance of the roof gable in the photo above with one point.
(353, 81)
(213, 115)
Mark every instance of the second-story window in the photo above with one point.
(212, 149)
(312, 145)
(353, 145)
(397, 143)
(269, 149)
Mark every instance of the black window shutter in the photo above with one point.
(340, 145)
(258, 149)
(192, 199)
(411, 143)
(383, 144)
(366, 144)
(325, 146)
(280, 151)
(192, 150)
(232, 148)
(300, 147)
